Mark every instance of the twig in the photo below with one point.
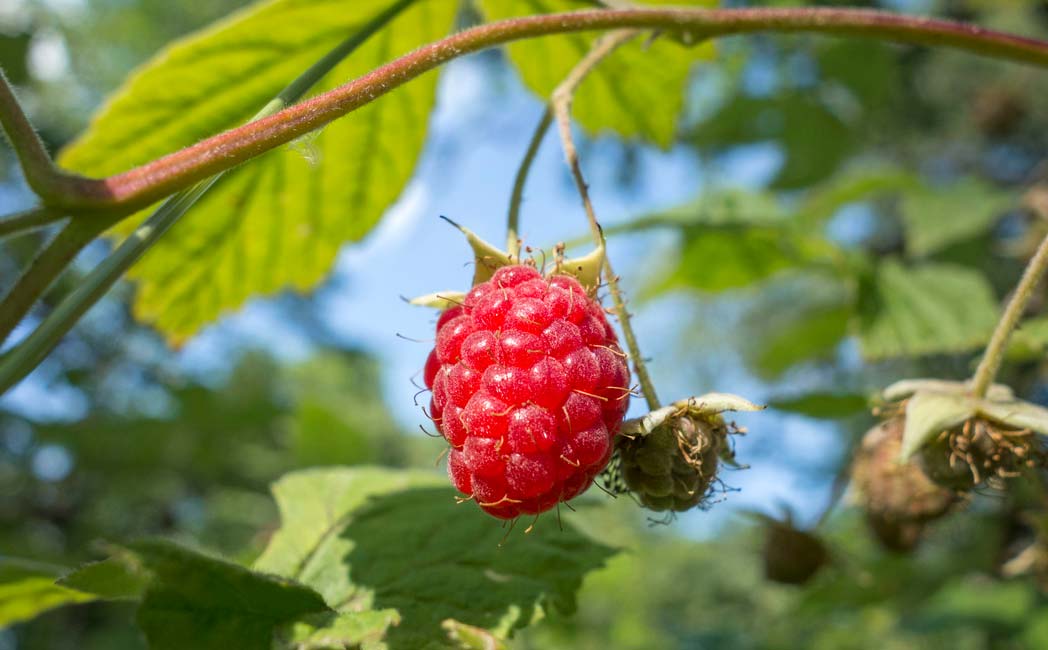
(40, 172)
(517, 196)
(995, 349)
(32, 219)
(127, 192)
(45, 269)
(560, 104)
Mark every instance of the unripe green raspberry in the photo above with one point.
(674, 467)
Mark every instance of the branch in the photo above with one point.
(998, 345)
(144, 185)
(49, 182)
(23, 222)
(517, 195)
(561, 107)
(45, 269)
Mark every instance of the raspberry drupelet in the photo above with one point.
(529, 389)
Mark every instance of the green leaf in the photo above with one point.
(278, 221)
(733, 239)
(734, 257)
(928, 309)
(935, 218)
(868, 69)
(28, 589)
(813, 139)
(850, 186)
(636, 92)
(472, 638)
(121, 576)
(982, 601)
(1030, 340)
(797, 322)
(729, 207)
(822, 404)
(346, 630)
(375, 539)
(196, 601)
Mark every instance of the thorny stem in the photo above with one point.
(68, 242)
(40, 172)
(29, 220)
(561, 107)
(995, 349)
(142, 186)
(517, 196)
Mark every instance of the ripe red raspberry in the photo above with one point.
(529, 388)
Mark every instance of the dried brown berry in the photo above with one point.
(791, 556)
(899, 499)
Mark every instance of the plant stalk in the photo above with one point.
(998, 345)
(27, 221)
(132, 190)
(521, 179)
(560, 106)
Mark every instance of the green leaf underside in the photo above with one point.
(195, 601)
(937, 217)
(28, 589)
(636, 92)
(929, 309)
(278, 221)
(373, 539)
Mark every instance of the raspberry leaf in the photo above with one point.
(935, 218)
(372, 539)
(636, 92)
(28, 588)
(471, 637)
(926, 309)
(278, 221)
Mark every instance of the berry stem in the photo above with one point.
(517, 196)
(998, 345)
(560, 105)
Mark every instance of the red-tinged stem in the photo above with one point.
(134, 189)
